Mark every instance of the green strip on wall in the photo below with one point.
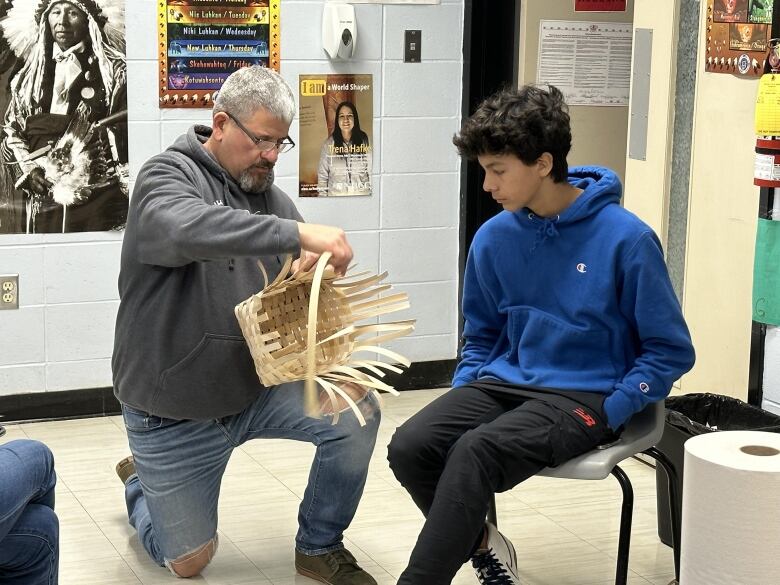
(766, 273)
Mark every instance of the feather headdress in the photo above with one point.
(22, 35)
(33, 45)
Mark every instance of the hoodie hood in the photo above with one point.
(600, 187)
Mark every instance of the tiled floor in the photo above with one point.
(565, 532)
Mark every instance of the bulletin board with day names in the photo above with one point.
(201, 42)
(738, 33)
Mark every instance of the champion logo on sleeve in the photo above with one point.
(644, 387)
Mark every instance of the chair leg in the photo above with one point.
(626, 515)
(674, 504)
(491, 515)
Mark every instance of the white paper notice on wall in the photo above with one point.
(590, 62)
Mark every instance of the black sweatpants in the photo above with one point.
(472, 442)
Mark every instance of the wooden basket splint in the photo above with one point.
(304, 326)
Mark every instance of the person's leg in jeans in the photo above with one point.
(172, 499)
(493, 457)
(340, 467)
(29, 531)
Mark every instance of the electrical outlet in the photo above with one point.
(9, 291)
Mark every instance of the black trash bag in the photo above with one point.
(697, 414)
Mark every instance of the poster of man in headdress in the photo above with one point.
(63, 98)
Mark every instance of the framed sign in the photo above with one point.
(738, 34)
(201, 42)
(63, 98)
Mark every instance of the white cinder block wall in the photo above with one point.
(61, 337)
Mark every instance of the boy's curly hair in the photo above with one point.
(526, 122)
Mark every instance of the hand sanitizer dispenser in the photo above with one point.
(339, 30)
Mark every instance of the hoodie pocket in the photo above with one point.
(215, 379)
(550, 350)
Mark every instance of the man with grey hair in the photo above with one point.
(201, 216)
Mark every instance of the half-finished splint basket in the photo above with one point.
(304, 326)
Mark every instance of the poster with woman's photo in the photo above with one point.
(63, 142)
(336, 143)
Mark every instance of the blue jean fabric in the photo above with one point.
(29, 531)
(172, 501)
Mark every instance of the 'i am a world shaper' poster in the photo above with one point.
(336, 135)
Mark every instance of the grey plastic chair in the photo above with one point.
(640, 435)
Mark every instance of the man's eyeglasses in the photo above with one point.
(262, 144)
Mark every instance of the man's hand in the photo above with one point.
(324, 238)
(37, 181)
(305, 261)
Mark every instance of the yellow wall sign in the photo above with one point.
(768, 105)
(201, 42)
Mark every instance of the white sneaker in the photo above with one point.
(498, 564)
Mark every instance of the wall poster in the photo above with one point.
(336, 121)
(63, 98)
(590, 62)
(738, 34)
(204, 41)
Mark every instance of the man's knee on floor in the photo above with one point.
(192, 563)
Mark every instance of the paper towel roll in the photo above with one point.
(731, 509)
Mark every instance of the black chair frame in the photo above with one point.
(627, 512)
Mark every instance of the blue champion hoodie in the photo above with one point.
(581, 301)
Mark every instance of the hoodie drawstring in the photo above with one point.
(545, 230)
(225, 193)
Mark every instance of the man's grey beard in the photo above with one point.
(251, 184)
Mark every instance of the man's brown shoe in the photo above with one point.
(336, 567)
(125, 468)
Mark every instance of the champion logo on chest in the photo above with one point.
(582, 268)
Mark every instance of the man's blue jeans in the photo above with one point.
(172, 502)
(29, 532)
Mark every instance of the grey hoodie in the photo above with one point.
(189, 255)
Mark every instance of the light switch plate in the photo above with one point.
(412, 46)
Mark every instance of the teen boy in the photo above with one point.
(571, 327)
